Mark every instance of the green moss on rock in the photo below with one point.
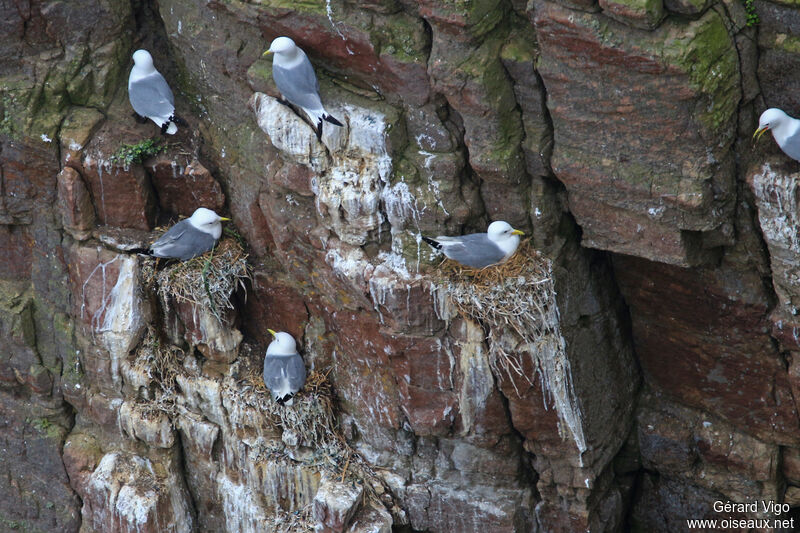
(317, 7)
(707, 53)
(401, 36)
(646, 14)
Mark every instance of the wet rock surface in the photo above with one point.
(664, 371)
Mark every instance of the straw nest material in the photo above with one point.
(518, 294)
(208, 280)
(311, 421)
(515, 302)
(161, 362)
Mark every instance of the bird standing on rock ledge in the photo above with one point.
(294, 76)
(785, 130)
(150, 96)
(479, 250)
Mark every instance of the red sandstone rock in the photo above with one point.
(679, 317)
(609, 150)
(122, 196)
(181, 189)
(16, 251)
(77, 211)
(273, 304)
(29, 167)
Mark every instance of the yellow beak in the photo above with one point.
(225, 219)
(517, 232)
(759, 132)
(268, 52)
(272, 332)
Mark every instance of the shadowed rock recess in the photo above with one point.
(641, 361)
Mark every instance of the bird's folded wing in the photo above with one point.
(296, 371)
(170, 237)
(475, 250)
(298, 84)
(151, 96)
(791, 146)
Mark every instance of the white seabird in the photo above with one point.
(479, 250)
(294, 76)
(284, 370)
(150, 95)
(785, 130)
(190, 237)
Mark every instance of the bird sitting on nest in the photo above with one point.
(284, 370)
(785, 130)
(190, 237)
(479, 250)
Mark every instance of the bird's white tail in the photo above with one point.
(172, 129)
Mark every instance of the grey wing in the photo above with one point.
(273, 374)
(151, 96)
(792, 146)
(280, 370)
(474, 250)
(182, 242)
(299, 84)
(296, 372)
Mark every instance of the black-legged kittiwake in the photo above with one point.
(294, 76)
(478, 250)
(150, 95)
(785, 130)
(284, 370)
(190, 237)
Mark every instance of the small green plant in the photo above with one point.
(136, 153)
(752, 16)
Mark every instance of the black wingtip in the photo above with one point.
(433, 243)
(285, 399)
(332, 120)
(164, 128)
(178, 121)
(143, 251)
(319, 130)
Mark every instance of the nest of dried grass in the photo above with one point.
(161, 363)
(208, 280)
(299, 521)
(311, 420)
(518, 296)
(310, 416)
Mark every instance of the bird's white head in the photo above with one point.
(771, 119)
(282, 45)
(207, 221)
(500, 230)
(283, 344)
(143, 60)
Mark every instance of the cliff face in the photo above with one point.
(652, 371)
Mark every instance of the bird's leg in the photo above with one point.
(319, 130)
(178, 120)
(283, 101)
(139, 118)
